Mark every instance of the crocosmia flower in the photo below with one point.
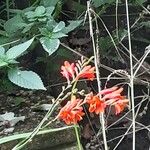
(72, 112)
(107, 97)
(73, 72)
(120, 105)
(87, 72)
(96, 104)
(68, 70)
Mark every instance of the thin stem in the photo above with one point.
(7, 8)
(131, 76)
(78, 138)
(39, 127)
(97, 72)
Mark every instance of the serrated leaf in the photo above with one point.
(17, 50)
(50, 45)
(72, 25)
(26, 79)
(59, 26)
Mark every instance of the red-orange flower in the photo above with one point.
(72, 112)
(96, 104)
(87, 72)
(111, 96)
(120, 104)
(68, 70)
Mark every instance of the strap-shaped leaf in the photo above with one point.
(50, 45)
(17, 50)
(26, 79)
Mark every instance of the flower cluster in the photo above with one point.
(72, 112)
(77, 71)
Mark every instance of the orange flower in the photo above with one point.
(87, 72)
(72, 112)
(120, 105)
(111, 96)
(68, 70)
(96, 104)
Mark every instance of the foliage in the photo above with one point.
(33, 21)
(26, 79)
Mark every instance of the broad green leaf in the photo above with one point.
(51, 24)
(3, 63)
(59, 26)
(40, 10)
(2, 51)
(30, 14)
(57, 35)
(44, 32)
(14, 24)
(50, 45)
(17, 50)
(49, 11)
(3, 60)
(72, 25)
(25, 79)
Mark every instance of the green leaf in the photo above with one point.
(30, 14)
(25, 135)
(50, 45)
(3, 60)
(14, 24)
(58, 35)
(2, 51)
(17, 50)
(72, 25)
(25, 79)
(49, 11)
(59, 26)
(44, 32)
(40, 10)
(3, 63)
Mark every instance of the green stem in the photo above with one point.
(7, 8)
(78, 139)
(73, 87)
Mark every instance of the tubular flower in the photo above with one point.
(72, 112)
(111, 96)
(120, 105)
(96, 104)
(68, 70)
(87, 72)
